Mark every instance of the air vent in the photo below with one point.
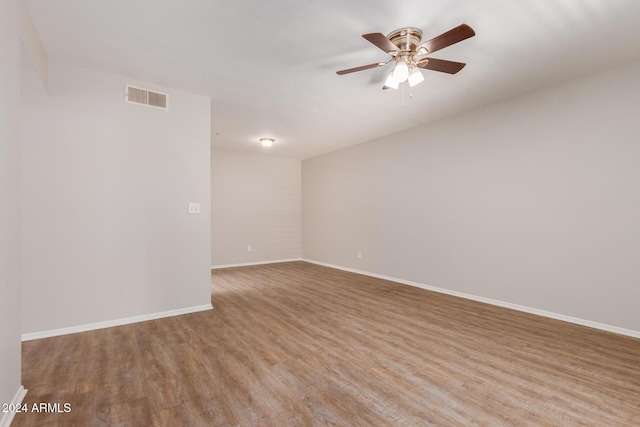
(136, 95)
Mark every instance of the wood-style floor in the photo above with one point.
(297, 344)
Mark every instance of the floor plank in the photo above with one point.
(299, 344)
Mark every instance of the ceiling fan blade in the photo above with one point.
(453, 36)
(381, 41)
(360, 68)
(441, 65)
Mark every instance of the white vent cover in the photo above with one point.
(136, 95)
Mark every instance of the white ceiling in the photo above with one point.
(269, 66)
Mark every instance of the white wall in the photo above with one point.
(534, 201)
(256, 202)
(33, 45)
(105, 191)
(10, 291)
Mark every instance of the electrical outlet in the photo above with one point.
(359, 254)
(249, 248)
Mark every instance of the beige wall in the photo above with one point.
(10, 290)
(105, 190)
(255, 202)
(534, 201)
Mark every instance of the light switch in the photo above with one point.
(194, 208)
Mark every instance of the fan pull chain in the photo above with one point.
(404, 95)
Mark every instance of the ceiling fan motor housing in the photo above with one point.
(406, 39)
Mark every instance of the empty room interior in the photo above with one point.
(291, 213)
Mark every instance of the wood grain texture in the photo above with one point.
(299, 344)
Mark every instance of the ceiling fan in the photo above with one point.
(408, 54)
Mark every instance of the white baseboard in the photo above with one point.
(523, 308)
(111, 323)
(7, 417)
(246, 264)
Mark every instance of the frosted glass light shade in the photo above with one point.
(391, 81)
(401, 71)
(266, 142)
(415, 77)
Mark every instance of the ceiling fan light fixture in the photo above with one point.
(391, 82)
(267, 142)
(415, 77)
(401, 71)
(405, 46)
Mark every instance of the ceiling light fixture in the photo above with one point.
(406, 48)
(415, 77)
(401, 71)
(267, 142)
(391, 81)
